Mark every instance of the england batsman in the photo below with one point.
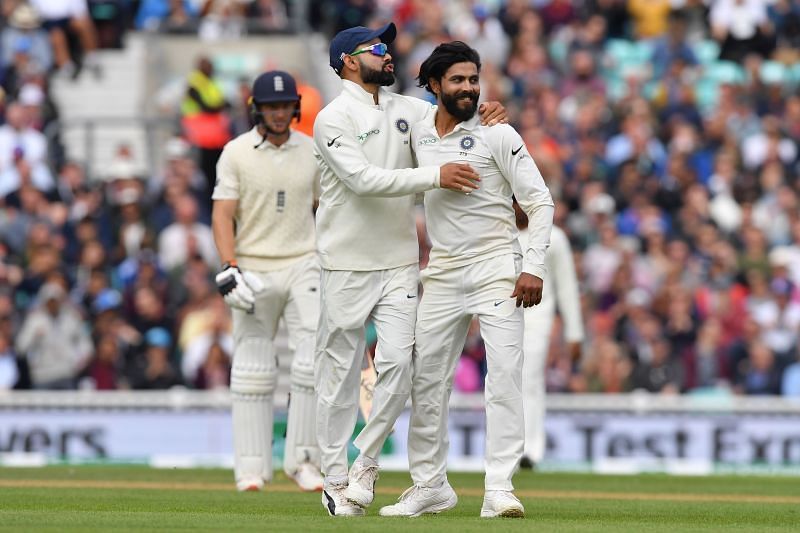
(476, 268)
(267, 183)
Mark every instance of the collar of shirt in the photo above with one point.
(358, 93)
(467, 125)
(256, 137)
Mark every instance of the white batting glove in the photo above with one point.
(254, 282)
(235, 288)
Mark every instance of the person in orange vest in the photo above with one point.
(310, 105)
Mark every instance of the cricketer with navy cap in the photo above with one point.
(368, 251)
(263, 223)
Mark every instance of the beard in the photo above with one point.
(452, 105)
(377, 77)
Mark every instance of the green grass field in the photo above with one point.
(105, 498)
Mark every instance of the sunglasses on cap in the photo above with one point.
(377, 49)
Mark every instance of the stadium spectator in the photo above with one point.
(153, 368)
(24, 35)
(110, 20)
(20, 68)
(23, 154)
(267, 15)
(779, 319)
(186, 237)
(216, 370)
(222, 19)
(741, 27)
(207, 358)
(204, 118)
(759, 373)
(607, 369)
(60, 18)
(148, 311)
(660, 373)
(54, 341)
(173, 16)
(649, 17)
(104, 371)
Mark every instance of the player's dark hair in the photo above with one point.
(442, 58)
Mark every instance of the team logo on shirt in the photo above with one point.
(402, 125)
(467, 143)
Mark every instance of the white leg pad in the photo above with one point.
(301, 433)
(253, 379)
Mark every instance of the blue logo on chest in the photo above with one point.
(467, 143)
(402, 125)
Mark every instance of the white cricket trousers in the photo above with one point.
(291, 293)
(449, 301)
(538, 326)
(349, 299)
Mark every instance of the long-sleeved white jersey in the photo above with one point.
(365, 219)
(464, 229)
(560, 286)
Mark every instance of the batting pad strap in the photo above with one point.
(303, 365)
(254, 369)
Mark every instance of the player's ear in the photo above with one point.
(435, 85)
(350, 63)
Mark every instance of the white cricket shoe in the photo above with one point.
(361, 483)
(250, 485)
(308, 477)
(501, 503)
(417, 500)
(337, 505)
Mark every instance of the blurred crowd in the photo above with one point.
(667, 132)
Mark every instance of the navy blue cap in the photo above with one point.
(275, 86)
(345, 42)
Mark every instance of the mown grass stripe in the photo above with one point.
(289, 488)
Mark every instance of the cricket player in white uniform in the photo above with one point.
(367, 244)
(560, 290)
(476, 268)
(263, 222)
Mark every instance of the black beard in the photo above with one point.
(450, 103)
(371, 76)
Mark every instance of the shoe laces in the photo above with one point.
(410, 492)
(415, 490)
(367, 475)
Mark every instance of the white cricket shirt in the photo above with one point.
(365, 218)
(465, 229)
(276, 187)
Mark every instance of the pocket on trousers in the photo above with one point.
(344, 300)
